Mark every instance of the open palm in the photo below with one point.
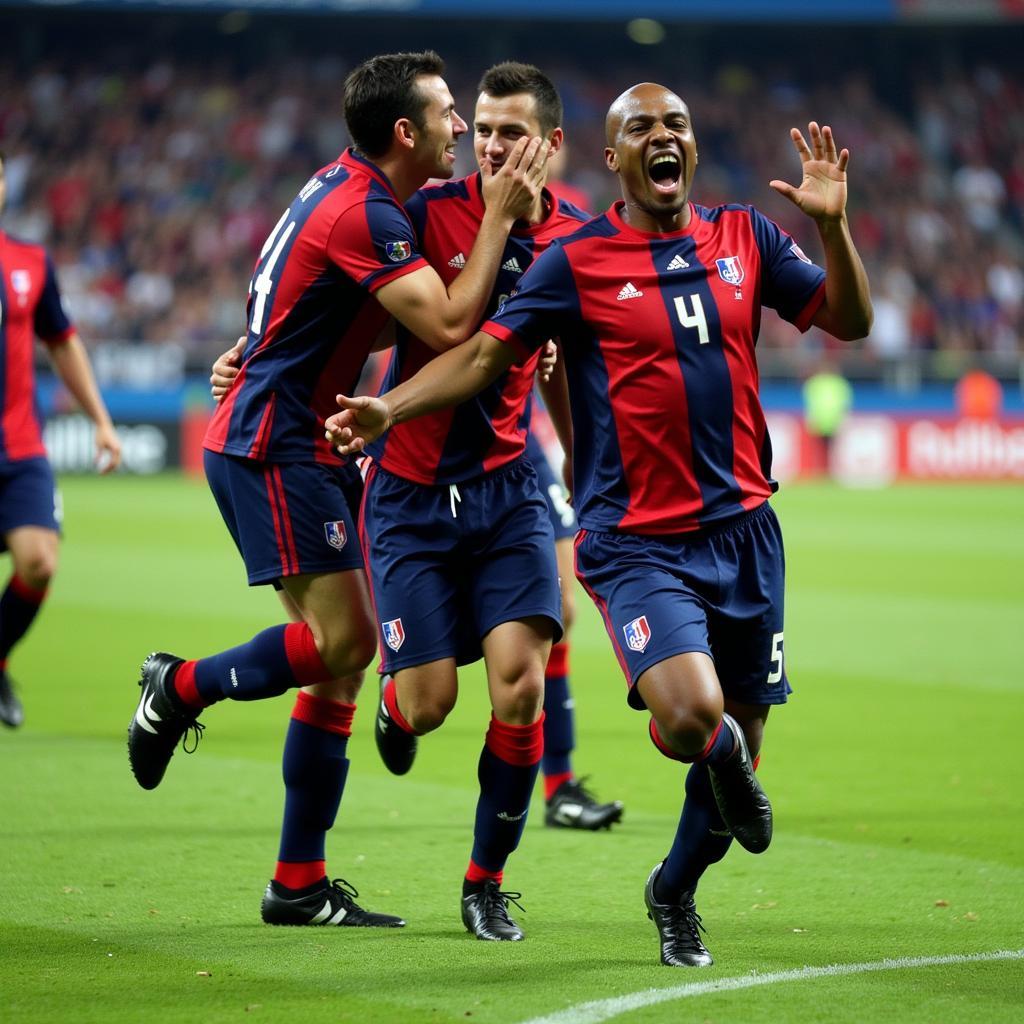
(822, 192)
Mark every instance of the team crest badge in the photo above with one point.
(398, 251)
(730, 270)
(394, 633)
(337, 536)
(638, 634)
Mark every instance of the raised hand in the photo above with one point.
(360, 421)
(225, 370)
(514, 187)
(822, 192)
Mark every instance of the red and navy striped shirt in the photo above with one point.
(30, 307)
(312, 318)
(489, 430)
(658, 334)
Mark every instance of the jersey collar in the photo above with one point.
(355, 161)
(520, 228)
(614, 215)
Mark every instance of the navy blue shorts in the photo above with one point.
(448, 564)
(288, 518)
(560, 512)
(28, 496)
(719, 591)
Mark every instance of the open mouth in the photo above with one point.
(665, 172)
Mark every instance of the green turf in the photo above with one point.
(895, 773)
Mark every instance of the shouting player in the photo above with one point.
(657, 305)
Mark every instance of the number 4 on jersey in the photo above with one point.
(694, 319)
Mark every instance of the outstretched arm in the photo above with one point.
(846, 312)
(450, 379)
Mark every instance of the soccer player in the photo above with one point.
(657, 306)
(569, 803)
(456, 532)
(342, 258)
(30, 307)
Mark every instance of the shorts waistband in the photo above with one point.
(520, 461)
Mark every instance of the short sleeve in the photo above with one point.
(790, 283)
(51, 322)
(374, 243)
(544, 306)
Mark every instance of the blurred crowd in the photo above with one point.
(155, 188)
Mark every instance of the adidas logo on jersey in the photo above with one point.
(678, 263)
(513, 265)
(458, 261)
(629, 291)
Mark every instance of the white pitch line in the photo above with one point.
(605, 1009)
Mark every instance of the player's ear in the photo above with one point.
(405, 132)
(555, 140)
(611, 159)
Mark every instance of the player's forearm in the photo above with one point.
(71, 361)
(556, 398)
(847, 313)
(450, 379)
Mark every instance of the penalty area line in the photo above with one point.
(605, 1009)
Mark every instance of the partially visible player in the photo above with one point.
(657, 305)
(341, 259)
(456, 532)
(569, 802)
(30, 307)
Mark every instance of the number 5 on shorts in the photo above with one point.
(776, 673)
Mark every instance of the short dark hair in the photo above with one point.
(382, 90)
(511, 78)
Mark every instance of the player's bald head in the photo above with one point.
(636, 100)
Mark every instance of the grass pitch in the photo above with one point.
(895, 773)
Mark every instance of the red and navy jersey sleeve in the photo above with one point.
(312, 318)
(544, 306)
(51, 322)
(374, 243)
(790, 283)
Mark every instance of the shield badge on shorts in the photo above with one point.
(638, 634)
(337, 536)
(394, 633)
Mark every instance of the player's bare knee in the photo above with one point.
(347, 654)
(429, 712)
(37, 569)
(520, 702)
(687, 730)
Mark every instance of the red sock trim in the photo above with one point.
(757, 761)
(303, 658)
(323, 713)
(301, 874)
(521, 745)
(3, 664)
(475, 873)
(25, 592)
(710, 743)
(558, 662)
(552, 782)
(662, 746)
(390, 698)
(185, 686)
